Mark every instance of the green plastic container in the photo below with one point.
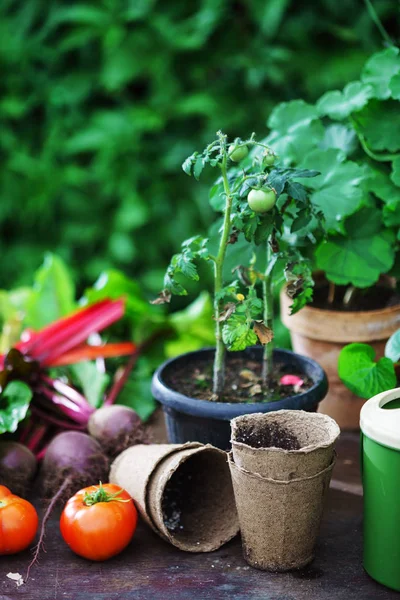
(380, 464)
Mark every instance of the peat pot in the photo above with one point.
(191, 419)
(321, 334)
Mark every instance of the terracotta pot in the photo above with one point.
(321, 334)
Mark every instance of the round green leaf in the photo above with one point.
(361, 374)
(379, 71)
(339, 105)
(359, 257)
(392, 348)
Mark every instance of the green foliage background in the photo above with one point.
(101, 101)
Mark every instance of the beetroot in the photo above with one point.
(73, 460)
(17, 467)
(116, 428)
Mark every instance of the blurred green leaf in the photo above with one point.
(14, 405)
(392, 348)
(379, 70)
(92, 381)
(339, 105)
(53, 294)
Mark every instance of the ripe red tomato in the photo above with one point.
(18, 522)
(99, 521)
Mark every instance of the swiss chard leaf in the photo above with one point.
(92, 381)
(136, 393)
(14, 404)
(361, 374)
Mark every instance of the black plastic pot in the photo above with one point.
(190, 419)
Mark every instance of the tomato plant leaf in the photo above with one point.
(237, 333)
(14, 404)
(361, 374)
(392, 348)
(339, 105)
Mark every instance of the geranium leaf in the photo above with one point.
(380, 124)
(361, 374)
(338, 190)
(339, 105)
(296, 129)
(340, 137)
(359, 257)
(379, 71)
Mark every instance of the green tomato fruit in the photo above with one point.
(237, 153)
(269, 159)
(261, 201)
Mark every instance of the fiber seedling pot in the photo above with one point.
(321, 334)
(279, 520)
(209, 422)
(307, 443)
(184, 492)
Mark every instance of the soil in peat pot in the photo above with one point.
(183, 514)
(242, 381)
(273, 436)
(374, 298)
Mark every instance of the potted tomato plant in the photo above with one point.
(351, 137)
(259, 203)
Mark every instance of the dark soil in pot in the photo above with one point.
(273, 436)
(242, 381)
(381, 295)
(191, 418)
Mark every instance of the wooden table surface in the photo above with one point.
(151, 569)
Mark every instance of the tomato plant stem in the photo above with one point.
(219, 360)
(268, 317)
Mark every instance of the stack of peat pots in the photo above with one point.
(281, 464)
(183, 492)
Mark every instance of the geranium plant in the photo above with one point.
(352, 137)
(267, 211)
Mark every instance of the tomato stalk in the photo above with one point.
(101, 495)
(219, 360)
(268, 314)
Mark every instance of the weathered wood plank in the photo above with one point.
(150, 569)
